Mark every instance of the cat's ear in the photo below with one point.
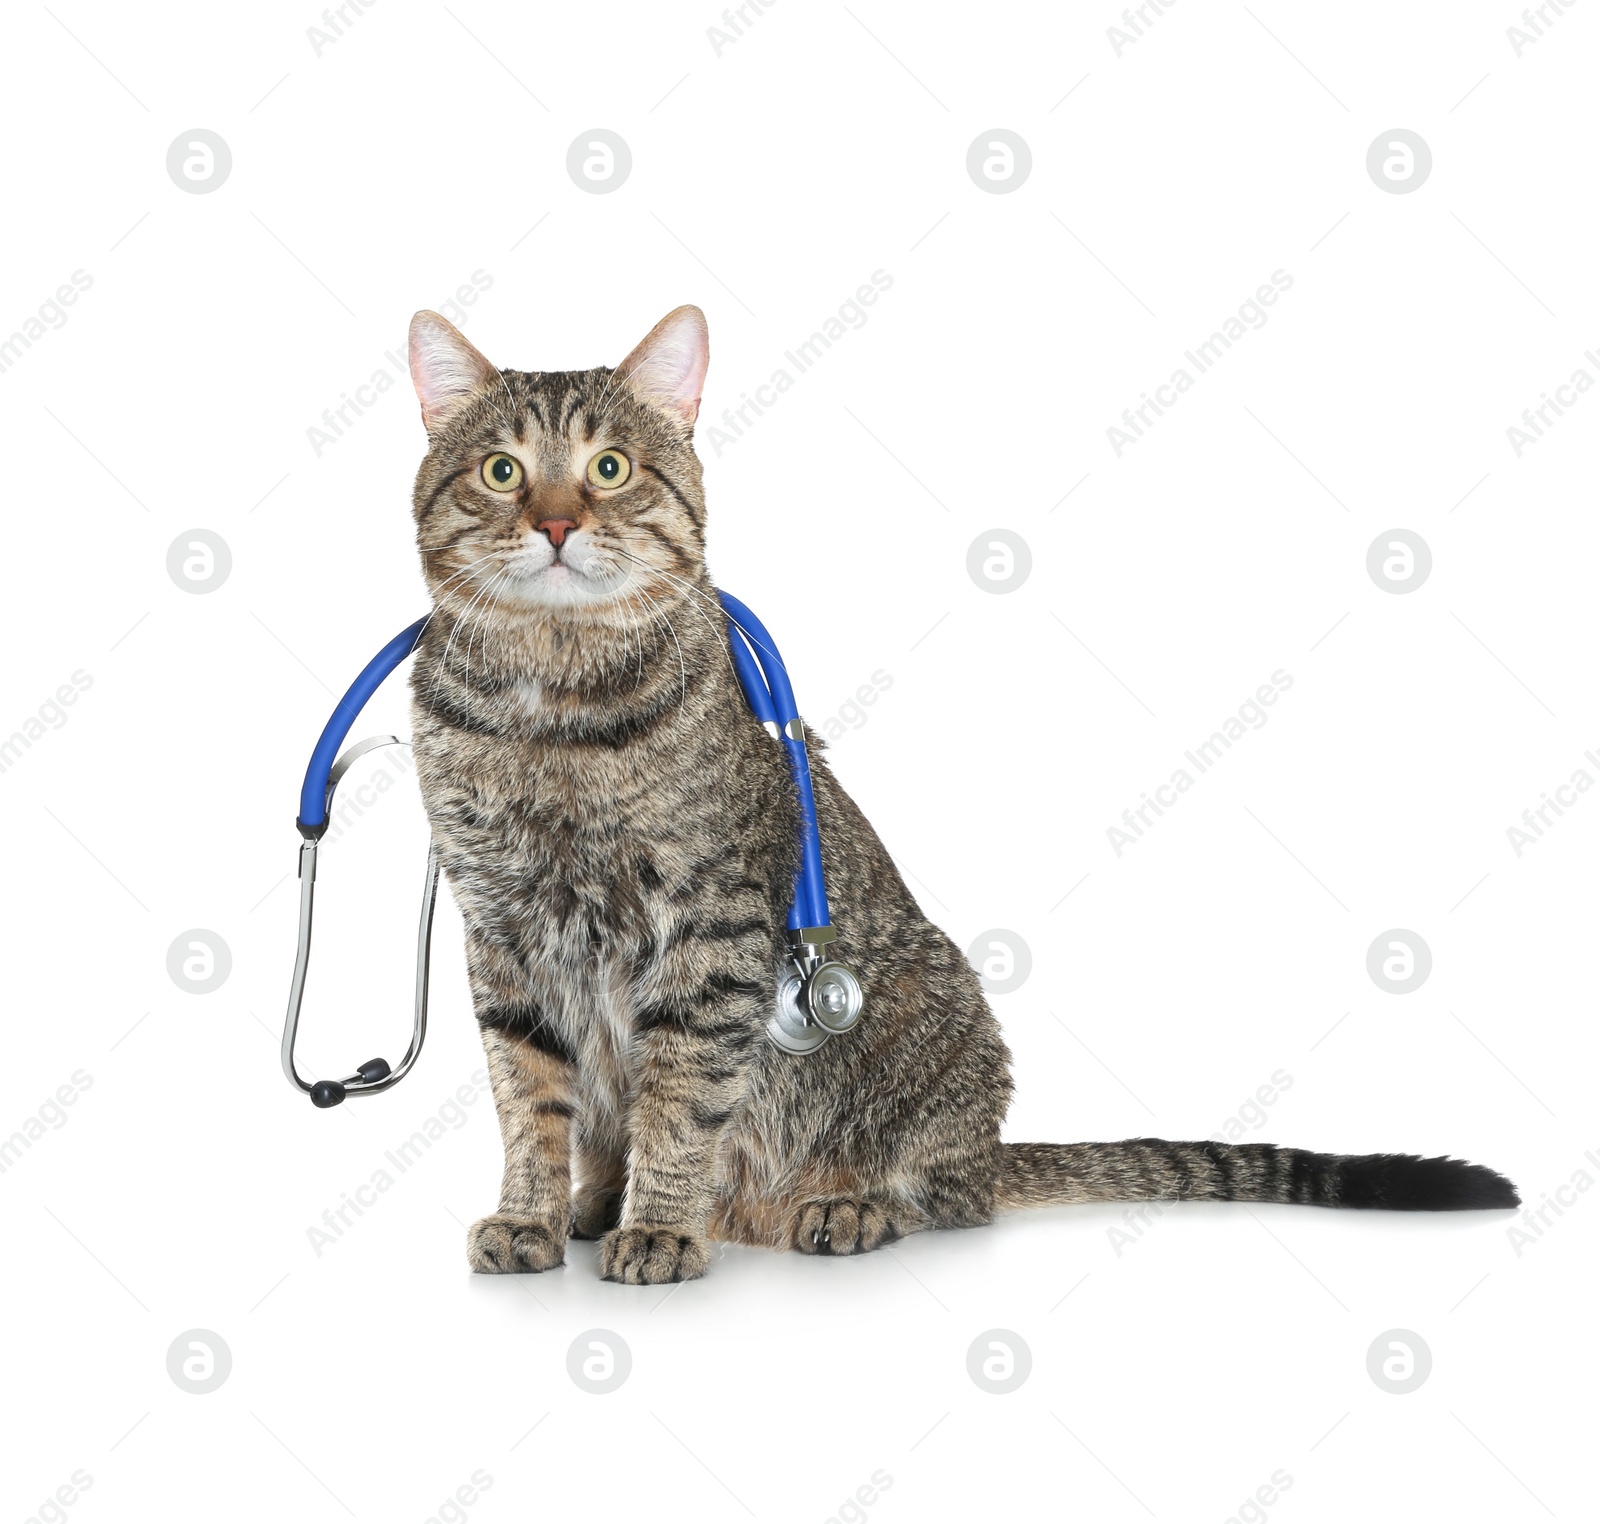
(668, 366)
(445, 368)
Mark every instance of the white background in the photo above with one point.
(1171, 1375)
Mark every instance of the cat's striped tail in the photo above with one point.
(1152, 1169)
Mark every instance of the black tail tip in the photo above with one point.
(1407, 1183)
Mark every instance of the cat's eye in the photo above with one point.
(502, 473)
(610, 468)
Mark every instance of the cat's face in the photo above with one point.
(566, 494)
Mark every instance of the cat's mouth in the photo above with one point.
(572, 575)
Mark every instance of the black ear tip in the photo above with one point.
(326, 1093)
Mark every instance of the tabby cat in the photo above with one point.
(621, 836)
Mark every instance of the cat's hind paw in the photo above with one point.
(844, 1227)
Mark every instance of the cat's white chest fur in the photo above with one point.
(528, 696)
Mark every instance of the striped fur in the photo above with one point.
(620, 835)
(1152, 1169)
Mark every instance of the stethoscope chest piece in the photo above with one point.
(789, 1026)
(817, 997)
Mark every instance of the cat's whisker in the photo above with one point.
(719, 634)
(494, 602)
(683, 671)
(628, 601)
(612, 382)
(638, 636)
(472, 627)
(444, 586)
(456, 630)
(485, 592)
(465, 571)
(672, 577)
(511, 422)
(628, 597)
(474, 622)
(658, 622)
(439, 607)
(655, 640)
(605, 396)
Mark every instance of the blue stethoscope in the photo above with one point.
(817, 999)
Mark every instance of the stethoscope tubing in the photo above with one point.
(375, 1075)
(767, 689)
(764, 679)
(314, 791)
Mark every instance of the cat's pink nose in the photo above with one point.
(556, 529)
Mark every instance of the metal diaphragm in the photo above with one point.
(789, 1027)
(834, 998)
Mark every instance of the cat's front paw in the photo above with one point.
(504, 1244)
(652, 1255)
